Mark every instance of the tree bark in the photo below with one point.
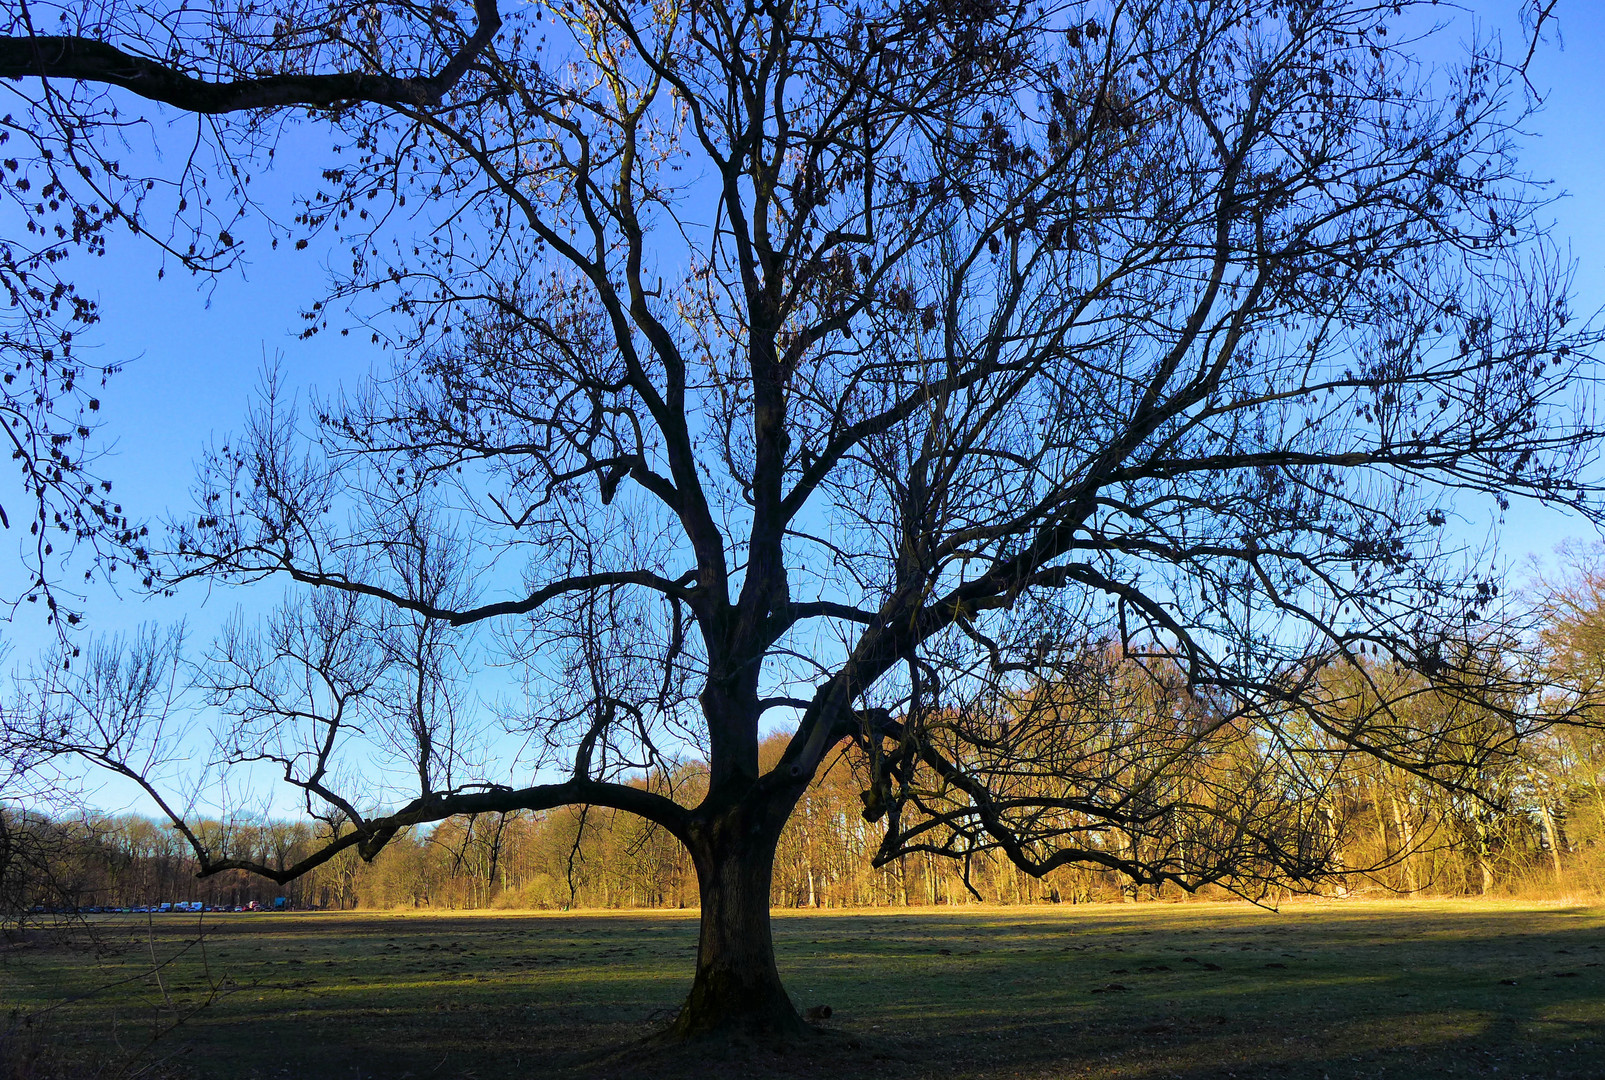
(737, 989)
(1407, 841)
(1335, 841)
(1551, 836)
(1485, 874)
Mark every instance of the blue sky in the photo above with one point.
(193, 356)
(193, 353)
(1567, 147)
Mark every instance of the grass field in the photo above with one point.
(1142, 992)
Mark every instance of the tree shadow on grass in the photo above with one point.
(1379, 990)
(1198, 991)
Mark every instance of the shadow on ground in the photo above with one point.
(1144, 992)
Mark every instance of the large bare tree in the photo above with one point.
(1043, 396)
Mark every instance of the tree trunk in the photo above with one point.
(1334, 840)
(1407, 843)
(1485, 874)
(1551, 836)
(1128, 887)
(737, 989)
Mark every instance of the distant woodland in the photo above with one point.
(1546, 836)
(1524, 815)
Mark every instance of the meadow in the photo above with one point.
(1327, 990)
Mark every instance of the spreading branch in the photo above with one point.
(74, 58)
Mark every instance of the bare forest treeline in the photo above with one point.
(1539, 828)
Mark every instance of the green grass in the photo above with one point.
(1338, 990)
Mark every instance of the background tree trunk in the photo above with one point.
(1551, 836)
(1407, 842)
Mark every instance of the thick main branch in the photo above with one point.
(438, 807)
(83, 59)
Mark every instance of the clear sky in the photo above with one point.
(1567, 147)
(193, 356)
